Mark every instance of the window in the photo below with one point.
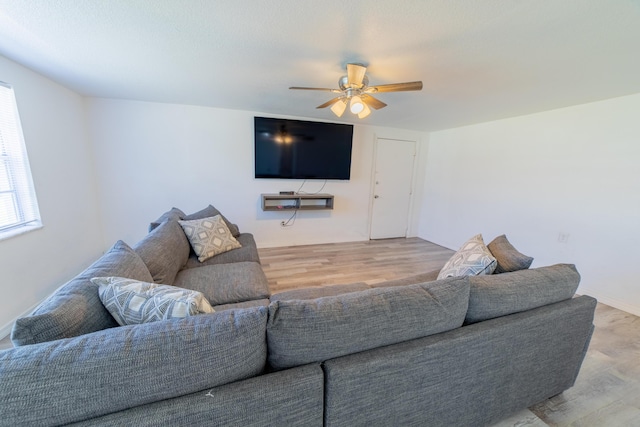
(18, 205)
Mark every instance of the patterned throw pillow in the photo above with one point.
(209, 236)
(208, 212)
(131, 302)
(472, 259)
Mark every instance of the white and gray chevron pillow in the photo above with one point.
(131, 302)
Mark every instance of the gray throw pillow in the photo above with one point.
(210, 211)
(508, 257)
(76, 309)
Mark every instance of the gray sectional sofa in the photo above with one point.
(461, 351)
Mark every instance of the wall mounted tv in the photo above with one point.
(295, 149)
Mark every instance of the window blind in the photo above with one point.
(18, 203)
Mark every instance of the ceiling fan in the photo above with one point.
(356, 92)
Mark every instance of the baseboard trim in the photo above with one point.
(610, 301)
(268, 244)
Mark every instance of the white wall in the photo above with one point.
(152, 156)
(573, 171)
(33, 265)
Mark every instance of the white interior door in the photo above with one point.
(392, 188)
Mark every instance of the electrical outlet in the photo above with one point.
(563, 237)
(281, 223)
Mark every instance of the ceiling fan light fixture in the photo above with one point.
(339, 107)
(357, 105)
(365, 111)
(355, 92)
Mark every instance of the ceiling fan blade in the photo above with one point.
(355, 74)
(395, 87)
(330, 102)
(315, 88)
(373, 102)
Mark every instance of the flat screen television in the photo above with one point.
(296, 149)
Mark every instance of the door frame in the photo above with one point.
(414, 177)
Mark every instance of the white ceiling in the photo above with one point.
(479, 60)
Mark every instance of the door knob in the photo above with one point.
(376, 196)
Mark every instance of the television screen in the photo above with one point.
(295, 149)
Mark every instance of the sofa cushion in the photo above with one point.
(226, 283)
(507, 257)
(165, 250)
(501, 294)
(305, 331)
(132, 302)
(76, 309)
(79, 378)
(319, 291)
(472, 259)
(248, 252)
(210, 211)
(209, 236)
(174, 214)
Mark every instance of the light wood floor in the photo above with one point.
(370, 261)
(607, 391)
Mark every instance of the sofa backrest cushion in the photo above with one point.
(174, 214)
(79, 378)
(165, 250)
(226, 283)
(501, 294)
(76, 309)
(305, 331)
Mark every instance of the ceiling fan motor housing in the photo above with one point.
(343, 83)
